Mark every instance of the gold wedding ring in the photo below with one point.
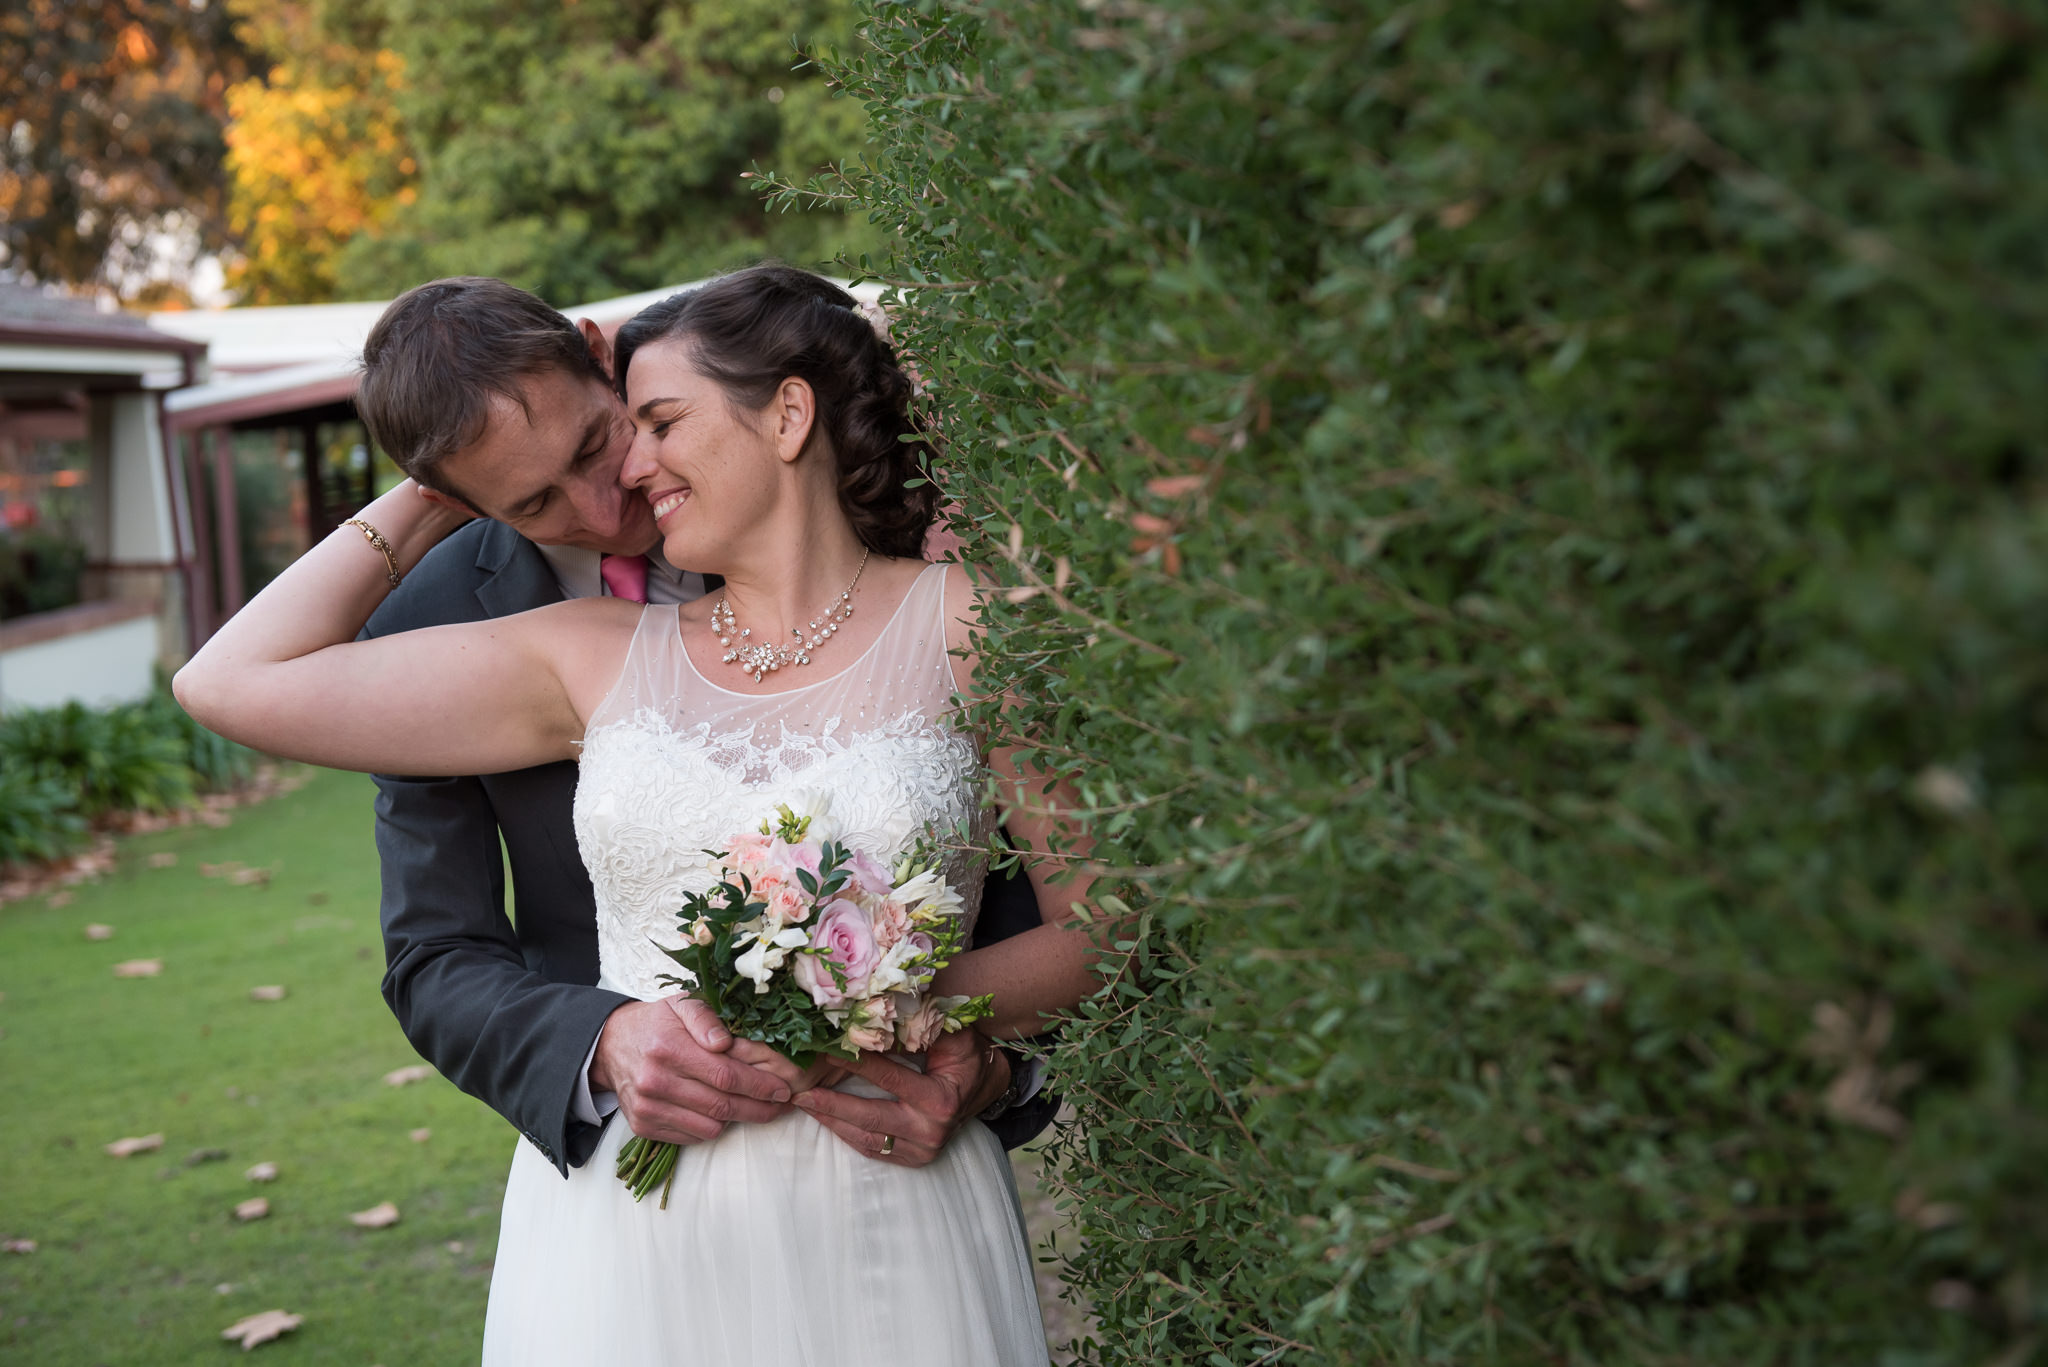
(888, 1145)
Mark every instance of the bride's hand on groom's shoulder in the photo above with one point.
(679, 1074)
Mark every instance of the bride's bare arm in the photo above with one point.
(1046, 970)
(287, 676)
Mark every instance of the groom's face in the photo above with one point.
(549, 468)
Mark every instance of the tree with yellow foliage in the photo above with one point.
(318, 156)
(577, 147)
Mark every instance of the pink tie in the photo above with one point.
(625, 576)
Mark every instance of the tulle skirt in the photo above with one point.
(781, 1247)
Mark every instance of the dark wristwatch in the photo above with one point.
(1010, 1093)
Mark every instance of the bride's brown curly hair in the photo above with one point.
(753, 329)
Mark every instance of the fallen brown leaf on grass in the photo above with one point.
(255, 1208)
(262, 1328)
(59, 899)
(22, 882)
(262, 1172)
(138, 968)
(266, 994)
(163, 859)
(198, 1156)
(401, 1077)
(96, 931)
(236, 872)
(420, 1135)
(121, 1148)
(19, 1245)
(383, 1215)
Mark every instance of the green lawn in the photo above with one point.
(141, 1260)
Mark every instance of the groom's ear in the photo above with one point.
(600, 346)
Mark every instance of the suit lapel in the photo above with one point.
(512, 575)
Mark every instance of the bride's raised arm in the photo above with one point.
(286, 675)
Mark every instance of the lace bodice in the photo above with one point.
(673, 765)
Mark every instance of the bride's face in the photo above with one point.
(712, 473)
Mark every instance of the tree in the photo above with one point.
(316, 147)
(110, 169)
(1527, 525)
(577, 149)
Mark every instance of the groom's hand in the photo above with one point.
(670, 1063)
(963, 1074)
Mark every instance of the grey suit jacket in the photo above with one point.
(507, 1009)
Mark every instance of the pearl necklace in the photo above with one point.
(761, 658)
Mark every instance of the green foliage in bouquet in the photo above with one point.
(783, 1016)
(1526, 524)
(746, 952)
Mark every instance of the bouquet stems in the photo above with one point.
(644, 1163)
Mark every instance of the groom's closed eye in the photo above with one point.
(593, 446)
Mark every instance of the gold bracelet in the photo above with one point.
(376, 538)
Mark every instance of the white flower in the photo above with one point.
(815, 803)
(929, 896)
(769, 952)
(895, 972)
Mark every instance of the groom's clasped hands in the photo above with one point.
(681, 1077)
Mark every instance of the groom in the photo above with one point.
(498, 404)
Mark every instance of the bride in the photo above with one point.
(767, 416)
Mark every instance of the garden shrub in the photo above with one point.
(216, 763)
(39, 817)
(113, 760)
(1526, 524)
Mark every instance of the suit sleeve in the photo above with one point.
(454, 974)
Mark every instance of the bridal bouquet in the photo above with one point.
(814, 948)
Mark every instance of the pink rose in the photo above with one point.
(916, 1032)
(846, 938)
(790, 858)
(867, 875)
(789, 905)
(747, 851)
(873, 1026)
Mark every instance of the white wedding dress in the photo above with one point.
(781, 1246)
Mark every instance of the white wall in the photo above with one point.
(142, 507)
(105, 665)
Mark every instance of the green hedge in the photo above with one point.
(1527, 524)
(63, 768)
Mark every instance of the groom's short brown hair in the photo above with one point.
(438, 354)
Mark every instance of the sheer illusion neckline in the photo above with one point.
(859, 660)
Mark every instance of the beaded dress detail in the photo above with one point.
(781, 1245)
